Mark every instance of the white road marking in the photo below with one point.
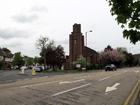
(9, 81)
(19, 80)
(44, 77)
(70, 90)
(82, 77)
(105, 78)
(38, 84)
(72, 81)
(117, 74)
(27, 79)
(137, 71)
(125, 71)
(112, 88)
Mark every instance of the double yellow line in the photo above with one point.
(128, 99)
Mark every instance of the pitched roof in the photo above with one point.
(90, 51)
(1, 54)
(6, 54)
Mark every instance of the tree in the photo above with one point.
(82, 61)
(109, 56)
(43, 43)
(129, 58)
(55, 56)
(121, 49)
(108, 48)
(18, 60)
(29, 61)
(128, 12)
(36, 59)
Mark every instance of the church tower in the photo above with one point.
(76, 42)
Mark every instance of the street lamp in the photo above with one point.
(86, 46)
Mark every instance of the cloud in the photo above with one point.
(39, 9)
(22, 18)
(12, 33)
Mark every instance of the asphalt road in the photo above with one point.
(94, 88)
(14, 76)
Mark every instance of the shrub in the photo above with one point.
(1, 65)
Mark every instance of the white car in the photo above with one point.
(24, 67)
(38, 68)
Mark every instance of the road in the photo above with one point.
(14, 76)
(93, 88)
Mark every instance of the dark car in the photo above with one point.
(110, 67)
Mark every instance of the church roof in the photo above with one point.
(90, 51)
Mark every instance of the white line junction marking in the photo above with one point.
(104, 78)
(70, 90)
(112, 88)
(71, 81)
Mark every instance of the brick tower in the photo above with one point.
(76, 42)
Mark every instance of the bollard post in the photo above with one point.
(22, 71)
(33, 71)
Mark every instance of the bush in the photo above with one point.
(1, 65)
(96, 66)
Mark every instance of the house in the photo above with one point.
(6, 56)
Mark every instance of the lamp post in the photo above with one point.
(86, 46)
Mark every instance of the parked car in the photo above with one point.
(24, 67)
(38, 68)
(110, 67)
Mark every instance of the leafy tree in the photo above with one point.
(128, 12)
(18, 60)
(29, 61)
(109, 56)
(82, 61)
(108, 48)
(121, 49)
(136, 61)
(55, 56)
(129, 58)
(36, 59)
(43, 43)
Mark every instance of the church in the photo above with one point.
(77, 47)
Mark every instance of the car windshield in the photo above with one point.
(109, 65)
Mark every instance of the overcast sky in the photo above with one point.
(22, 22)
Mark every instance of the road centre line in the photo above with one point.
(105, 78)
(117, 74)
(70, 90)
(9, 81)
(71, 81)
(39, 84)
(125, 71)
(82, 77)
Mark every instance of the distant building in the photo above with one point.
(77, 47)
(6, 56)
